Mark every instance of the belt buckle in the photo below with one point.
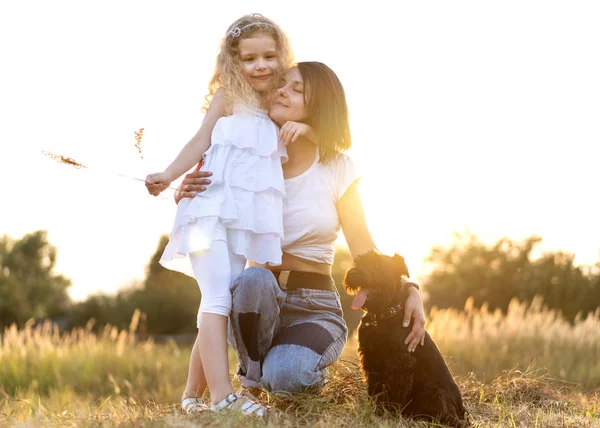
(283, 278)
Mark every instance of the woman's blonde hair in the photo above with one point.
(228, 67)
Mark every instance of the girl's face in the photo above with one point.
(258, 56)
(288, 102)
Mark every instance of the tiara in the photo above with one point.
(237, 31)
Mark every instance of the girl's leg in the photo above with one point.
(213, 352)
(196, 381)
(213, 271)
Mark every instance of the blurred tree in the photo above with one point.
(105, 309)
(169, 300)
(28, 288)
(497, 273)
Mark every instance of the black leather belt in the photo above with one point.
(293, 280)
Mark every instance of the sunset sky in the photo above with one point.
(465, 114)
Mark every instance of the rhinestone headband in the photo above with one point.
(237, 31)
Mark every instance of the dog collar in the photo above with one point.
(372, 319)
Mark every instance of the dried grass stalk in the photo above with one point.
(138, 141)
(64, 160)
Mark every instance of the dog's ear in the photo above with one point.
(399, 265)
(352, 280)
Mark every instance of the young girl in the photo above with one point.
(239, 216)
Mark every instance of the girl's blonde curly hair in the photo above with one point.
(228, 67)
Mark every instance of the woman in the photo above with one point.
(286, 321)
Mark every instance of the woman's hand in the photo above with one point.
(156, 183)
(290, 131)
(414, 310)
(193, 183)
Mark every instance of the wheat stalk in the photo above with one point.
(65, 160)
(138, 141)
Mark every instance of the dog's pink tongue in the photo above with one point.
(359, 300)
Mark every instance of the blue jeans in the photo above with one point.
(284, 339)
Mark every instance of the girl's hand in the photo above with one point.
(156, 183)
(414, 310)
(290, 131)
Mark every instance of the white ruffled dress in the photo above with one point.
(243, 203)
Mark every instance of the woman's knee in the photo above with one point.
(291, 369)
(253, 280)
(300, 356)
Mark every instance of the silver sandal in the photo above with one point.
(193, 405)
(244, 404)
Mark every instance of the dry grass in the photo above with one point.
(488, 343)
(81, 379)
(64, 160)
(138, 142)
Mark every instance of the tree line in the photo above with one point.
(490, 274)
(496, 273)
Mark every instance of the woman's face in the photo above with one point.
(288, 102)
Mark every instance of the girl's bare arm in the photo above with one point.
(192, 152)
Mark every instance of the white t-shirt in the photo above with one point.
(310, 218)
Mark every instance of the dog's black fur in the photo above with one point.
(418, 384)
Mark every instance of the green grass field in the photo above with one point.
(524, 369)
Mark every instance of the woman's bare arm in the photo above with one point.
(353, 221)
(193, 183)
(354, 225)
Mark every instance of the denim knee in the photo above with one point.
(253, 280)
(291, 369)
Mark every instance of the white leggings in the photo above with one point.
(215, 269)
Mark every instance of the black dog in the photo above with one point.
(418, 384)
